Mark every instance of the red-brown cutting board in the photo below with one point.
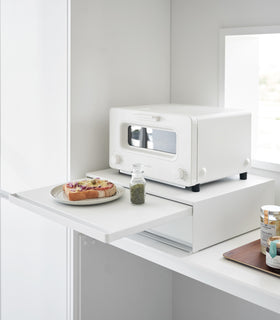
(250, 255)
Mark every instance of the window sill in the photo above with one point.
(266, 165)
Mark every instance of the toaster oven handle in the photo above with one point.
(147, 117)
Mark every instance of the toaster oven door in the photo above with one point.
(163, 143)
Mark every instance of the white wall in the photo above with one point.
(120, 55)
(195, 37)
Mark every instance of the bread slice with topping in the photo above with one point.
(89, 189)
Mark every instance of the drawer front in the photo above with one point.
(178, 233)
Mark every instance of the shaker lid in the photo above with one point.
(271, 209)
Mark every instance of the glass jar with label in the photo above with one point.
(270, 224)
(137, 185)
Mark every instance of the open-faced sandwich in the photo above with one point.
(89, 189)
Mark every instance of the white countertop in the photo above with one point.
(209, 266)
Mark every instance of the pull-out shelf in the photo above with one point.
(105, 222)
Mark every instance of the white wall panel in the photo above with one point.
(120, 55)
(33, 93)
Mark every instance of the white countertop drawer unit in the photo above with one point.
(221, 210)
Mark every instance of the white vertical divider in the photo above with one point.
(72, 248)
(36, 264)
(73, 281)
(1, 196)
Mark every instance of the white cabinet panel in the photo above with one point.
(121, 286)
(188, 295)
(33, 154)
(33, 93)
(33, 265)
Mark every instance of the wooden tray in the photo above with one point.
(250, 255)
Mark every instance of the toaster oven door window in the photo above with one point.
(152, 139)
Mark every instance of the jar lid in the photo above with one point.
(138, 167)
(273, 239)
(271, 209)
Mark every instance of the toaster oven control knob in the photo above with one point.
(156, 118)
(202, 172)
(116, 159)
(181, 173)
(247, 162)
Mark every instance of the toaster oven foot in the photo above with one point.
(196, 188)
(243, 176)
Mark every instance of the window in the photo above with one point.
(153, 139)
(250, 79)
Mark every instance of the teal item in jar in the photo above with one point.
(273, 253)
(273, 248)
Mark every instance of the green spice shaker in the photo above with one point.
(137, 185)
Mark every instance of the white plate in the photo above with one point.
(58, 194)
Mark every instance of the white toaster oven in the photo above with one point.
(181, 145)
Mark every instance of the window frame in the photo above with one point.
(221, 74)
